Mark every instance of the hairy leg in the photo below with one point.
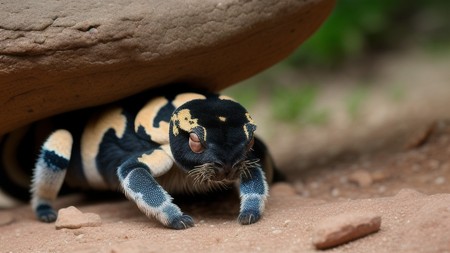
(253, 190)
(139, 186)
(49, 173)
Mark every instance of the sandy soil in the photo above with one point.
(411, 222)
(404, 180)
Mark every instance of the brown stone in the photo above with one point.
(57, 56)
(344, 228)
(73, 218)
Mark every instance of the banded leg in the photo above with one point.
(49, 173)
(253, 190)
(136, 179)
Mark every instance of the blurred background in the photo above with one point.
(372, 74)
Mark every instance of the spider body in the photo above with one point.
(190, 142)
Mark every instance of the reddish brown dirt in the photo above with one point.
(361, 167)
(412, 220)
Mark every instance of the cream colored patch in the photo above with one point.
(168, 151)
(10, 158)
(146, 116)
(186, 122)
(46, 183)
(250, 121)
(92, 137)
(223, 97)
(186, 97)
(175, 129)
(60, 142)
(247, 134)
(158, 161)
(249, 118)
(223, 119)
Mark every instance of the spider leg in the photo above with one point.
(253, 190)
(49, 173)
(138, 184)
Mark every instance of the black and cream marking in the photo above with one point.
(173, 144)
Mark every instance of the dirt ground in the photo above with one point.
(393, 161)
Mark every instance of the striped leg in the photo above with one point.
(253, 191)
(137, 182)
(49, 173)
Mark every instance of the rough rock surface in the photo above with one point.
(57, 56)
(343, 228)
(73, 218)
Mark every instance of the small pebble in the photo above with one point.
(276, 231)
(6, 218)
(286, 223)
(382, 189)
(439, 180)
(335, 192)
(361, 177)
(73, 218)
(344, 228)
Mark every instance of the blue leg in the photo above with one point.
(253, 191)
(140, 186)
(49, 173)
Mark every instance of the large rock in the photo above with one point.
(57, 56)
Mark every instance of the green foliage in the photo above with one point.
(396, 93)
(287, 103)
(356, 30)
(356, 27)
(345, 32)
(246, 94)
(298, 104)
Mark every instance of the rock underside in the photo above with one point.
(57, 56)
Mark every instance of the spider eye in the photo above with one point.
(251, 143)
(195, 144)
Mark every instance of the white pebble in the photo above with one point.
(277, 231)
(335, 192)
(439, 180)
